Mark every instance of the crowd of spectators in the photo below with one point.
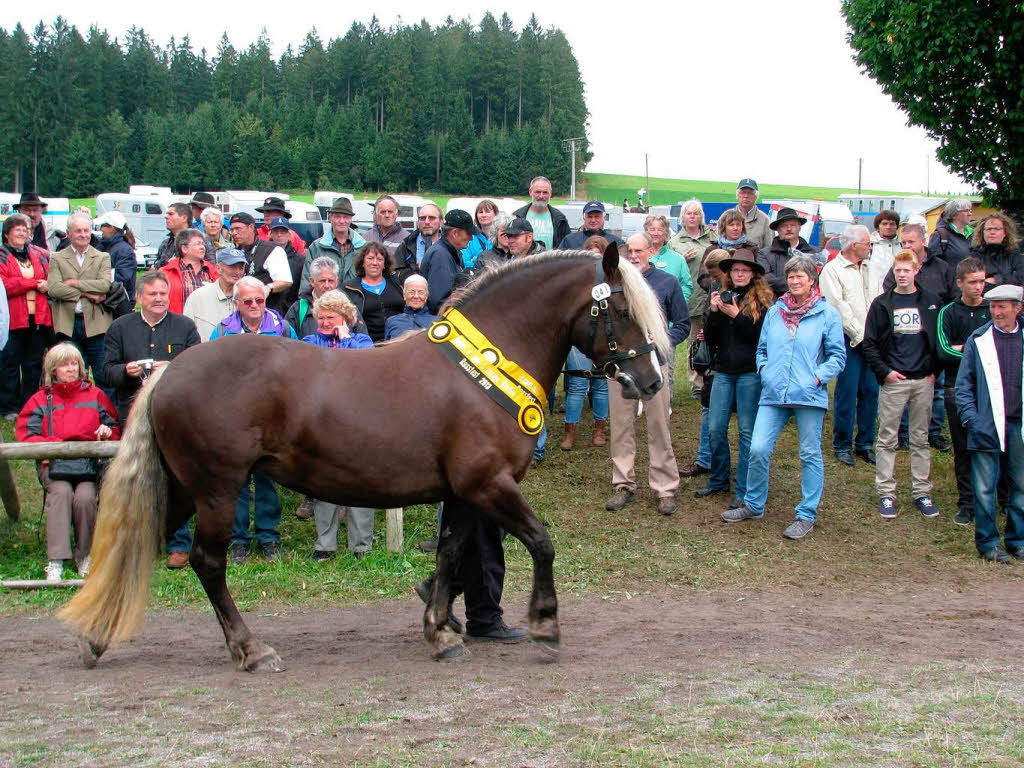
(914, 330)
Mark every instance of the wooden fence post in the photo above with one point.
(9, 491)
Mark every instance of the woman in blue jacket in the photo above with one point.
(800, 350)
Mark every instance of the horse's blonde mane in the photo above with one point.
(644, 308)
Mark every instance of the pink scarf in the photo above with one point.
(792, 313)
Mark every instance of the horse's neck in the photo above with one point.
(529, 317)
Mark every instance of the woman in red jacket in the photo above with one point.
(188, 270)
(23, 269)
(67, 407)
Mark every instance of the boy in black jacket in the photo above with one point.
(957, 321)
(900, 343)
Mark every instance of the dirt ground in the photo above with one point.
(678, 677)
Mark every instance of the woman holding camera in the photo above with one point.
(66, 408)
(732, 329)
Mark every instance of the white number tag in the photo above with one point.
(602, 291)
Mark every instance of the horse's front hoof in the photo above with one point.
(448, 646)
(263, 658)
(549, 647)
(89, 653)
(546, 632)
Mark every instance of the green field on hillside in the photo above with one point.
(611, 187)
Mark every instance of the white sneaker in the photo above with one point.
(55, 571)
(83, 569)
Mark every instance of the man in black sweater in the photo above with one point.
(957, 321)
(138, 344)
(900, 345)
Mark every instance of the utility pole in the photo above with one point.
(647, 180)
(927, 174)
(572, 145)
(860, 172)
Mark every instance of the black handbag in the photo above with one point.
(71, 470)
(116, 300)
(700, 356)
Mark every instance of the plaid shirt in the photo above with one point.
(191, 279)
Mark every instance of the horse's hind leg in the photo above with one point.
(446, 643)
(209, 560)
(504, 503)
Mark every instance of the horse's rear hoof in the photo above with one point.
(455, 653)
(89, 653)
(549, 647)
(265, 659)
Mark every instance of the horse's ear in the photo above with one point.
(610, 261)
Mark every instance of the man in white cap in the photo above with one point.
(991, 406)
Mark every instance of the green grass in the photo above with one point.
(612, 187)
(614, 555)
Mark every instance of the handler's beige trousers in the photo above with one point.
(663, 474)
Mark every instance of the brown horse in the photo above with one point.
(414, 429)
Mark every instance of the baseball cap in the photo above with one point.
(113, 219)
(230, 256)
(279, 222)
(518, 226)
(747, 184)
(457, 218)
(592, 206)
(242, 218)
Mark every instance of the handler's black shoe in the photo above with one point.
(500, 633)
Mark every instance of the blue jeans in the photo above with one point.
(542, 441)
(770, 421)
(704, 443)
(985, 475)
(181, 539)
(266, 517)
(743, 391)
(576, 390)
(93, 350)
(856, 396)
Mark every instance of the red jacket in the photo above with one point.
(263, 233)
(17, 286)
(172, 269)
(78, 409)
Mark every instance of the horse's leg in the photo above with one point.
(208, 559)
(504, 503)
(446, 643)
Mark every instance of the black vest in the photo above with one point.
(256, 267)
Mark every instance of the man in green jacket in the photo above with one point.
(339, 243)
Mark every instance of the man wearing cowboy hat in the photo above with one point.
(34, 206)
(272, 208)
(991, 406)
(786, 244)
(849, 285)
(340, 243)
(200, 201)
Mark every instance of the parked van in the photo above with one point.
(144, 214)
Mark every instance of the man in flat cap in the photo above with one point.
(991, 407)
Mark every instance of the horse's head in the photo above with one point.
(624, 329)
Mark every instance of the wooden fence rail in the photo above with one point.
(106, 450)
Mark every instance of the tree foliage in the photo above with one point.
(955, 68)
(457, 108)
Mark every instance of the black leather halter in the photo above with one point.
(609, 365)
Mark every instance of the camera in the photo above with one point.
(727, 297)
(146, 366)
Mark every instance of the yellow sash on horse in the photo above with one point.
(503, 380)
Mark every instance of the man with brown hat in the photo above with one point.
(786, 245)
(200, 202)
(340, 243)
(33, 206)
(272, 208)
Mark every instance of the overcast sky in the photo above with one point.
(708, 90)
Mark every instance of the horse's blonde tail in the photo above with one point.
(129, 524)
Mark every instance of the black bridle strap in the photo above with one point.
(598, 308)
